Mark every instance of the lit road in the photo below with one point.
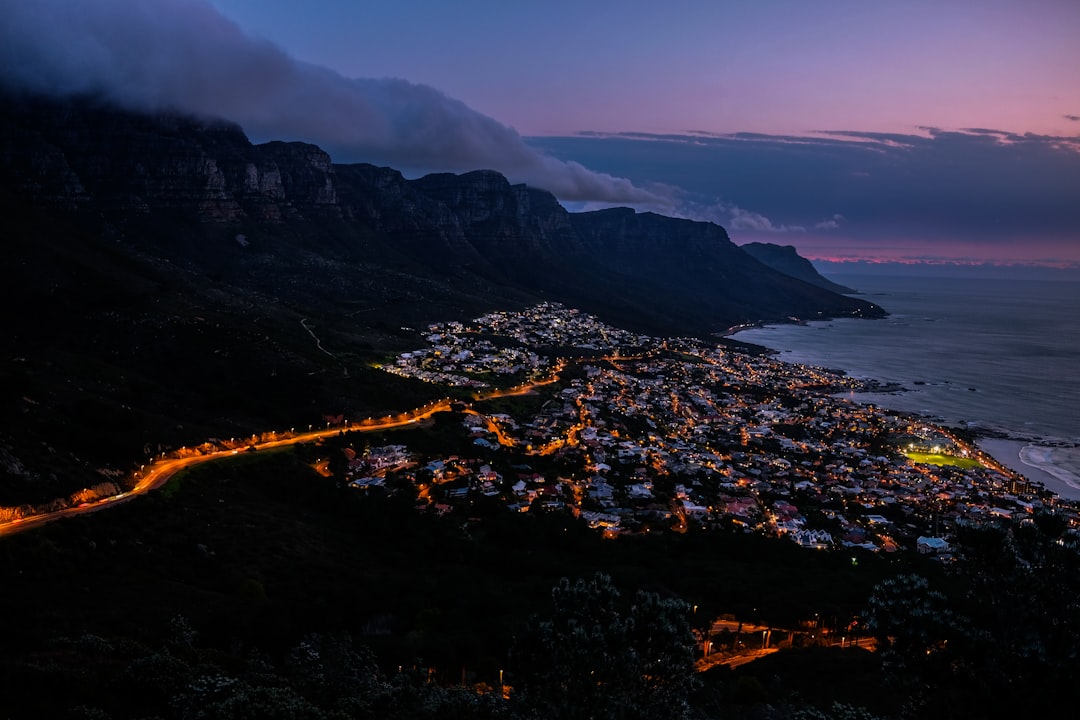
(734, 661)
(162, 470)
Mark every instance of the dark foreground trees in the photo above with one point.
(324, 677)
(597, 655)
(999, 636)
(602, 656)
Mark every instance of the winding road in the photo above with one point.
(161, 470)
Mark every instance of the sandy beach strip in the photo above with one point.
(1053, 467)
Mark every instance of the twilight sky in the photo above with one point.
(922, 131)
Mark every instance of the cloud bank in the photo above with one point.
(982, 193)
(184, 55)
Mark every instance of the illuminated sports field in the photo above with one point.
(939, 459)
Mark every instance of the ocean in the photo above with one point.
(1000, 356)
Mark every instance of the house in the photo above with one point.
(600, 490)
(693, 510)
(931, 545)
(816, 539)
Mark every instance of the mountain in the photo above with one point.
(167, 281)
(786, 259)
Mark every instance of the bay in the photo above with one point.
(1000, 356)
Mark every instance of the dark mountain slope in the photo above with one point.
(692, 269)
(166, 281)
(785, 259)
(179, 186)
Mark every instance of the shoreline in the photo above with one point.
(1044, 448)
(1035, 462)
(1028, 457)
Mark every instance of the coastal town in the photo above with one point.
(639, 434)
(553, 410)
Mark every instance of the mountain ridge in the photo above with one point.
(123, 164)
(166, 277)
(786, 259)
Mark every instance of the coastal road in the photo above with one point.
(162, 470)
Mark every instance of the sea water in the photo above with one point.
(996, 355)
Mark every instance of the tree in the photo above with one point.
(325, 669)
(1001, 637)
(910, 621)
(600, 657)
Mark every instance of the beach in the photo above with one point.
(997, 358)
(1055, 468)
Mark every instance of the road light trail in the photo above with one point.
(161, 471)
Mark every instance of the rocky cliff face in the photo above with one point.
(503, 220)
(693, 269)
(205, 176)
(785, 259)
(79, 154)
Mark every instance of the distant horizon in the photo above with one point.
(850, 130)
(945, 270)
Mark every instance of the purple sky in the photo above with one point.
(768, 66)
(850, 129)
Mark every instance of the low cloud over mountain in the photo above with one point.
(184, 55)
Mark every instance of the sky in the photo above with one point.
(921, 132)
